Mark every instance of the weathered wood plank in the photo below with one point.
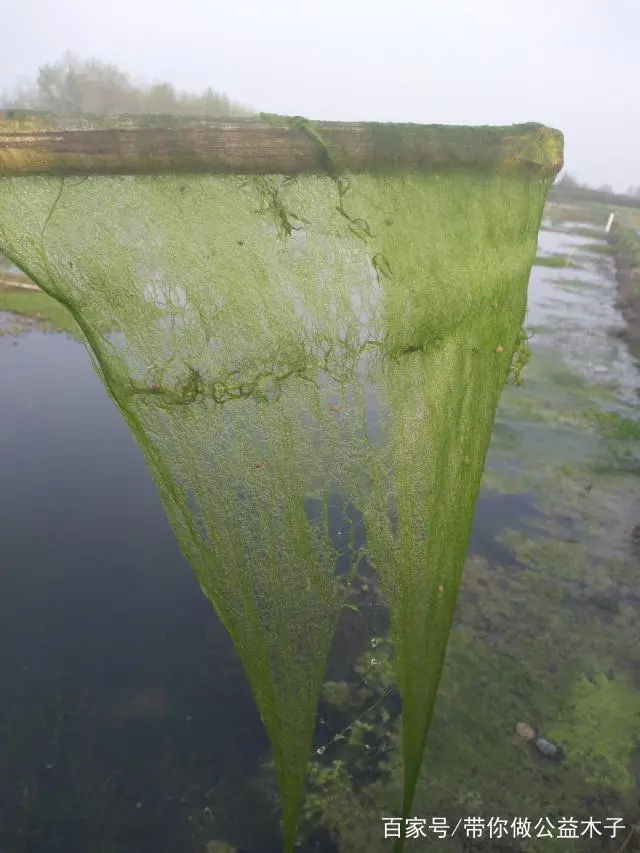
(38, 144)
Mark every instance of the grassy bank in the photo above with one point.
(625, 244)
(30, 308)
(557, 261)
(582, 197)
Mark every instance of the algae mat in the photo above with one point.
(548, 637)
(256, 320)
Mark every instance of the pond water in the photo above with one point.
(126, 723)
(114, 668)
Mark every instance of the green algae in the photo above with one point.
(479, 767)
(252, 314)
(549, 639)
(562, 261)
(219, 847)
(501, 669)
(600, 728)
(600, 248)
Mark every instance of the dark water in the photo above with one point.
(120, 688)
(125, 713)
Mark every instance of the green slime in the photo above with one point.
(273, 341)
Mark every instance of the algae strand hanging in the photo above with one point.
(227, 313)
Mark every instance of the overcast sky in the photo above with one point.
(571, 64)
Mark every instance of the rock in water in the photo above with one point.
(548, 749)
(544, 746)
(525, 731)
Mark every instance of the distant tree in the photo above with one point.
(161, 98)
(74, 86)
(568, 180)
(605, 188)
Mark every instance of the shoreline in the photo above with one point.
(625, 243)
(15, 282)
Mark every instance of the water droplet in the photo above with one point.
(374, 662)
(374, 642)
(321, 750)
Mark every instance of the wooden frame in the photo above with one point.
(41, 144)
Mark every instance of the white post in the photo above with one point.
(609, 223)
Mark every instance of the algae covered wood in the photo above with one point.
(37, 144)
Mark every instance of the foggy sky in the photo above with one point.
(571, 64)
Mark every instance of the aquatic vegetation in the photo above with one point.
(219, 847)
(600, 728)
(625, 242)
(549, 637)
(555, 261)
(495, 675)
(600, 248)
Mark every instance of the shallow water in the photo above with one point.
(574, 311)
(547, 632)
(556, 243)
(121, 694)
(127, 724)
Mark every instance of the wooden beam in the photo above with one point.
(40, 144)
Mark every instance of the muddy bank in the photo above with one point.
(625, 243)
(24, 307)
(11, 282)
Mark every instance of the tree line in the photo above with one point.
(570, 182)
(74, 86)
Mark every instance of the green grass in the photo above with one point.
(603, 248)
(589, 214)
(614, 426)
(555, 261)
(48, 313)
